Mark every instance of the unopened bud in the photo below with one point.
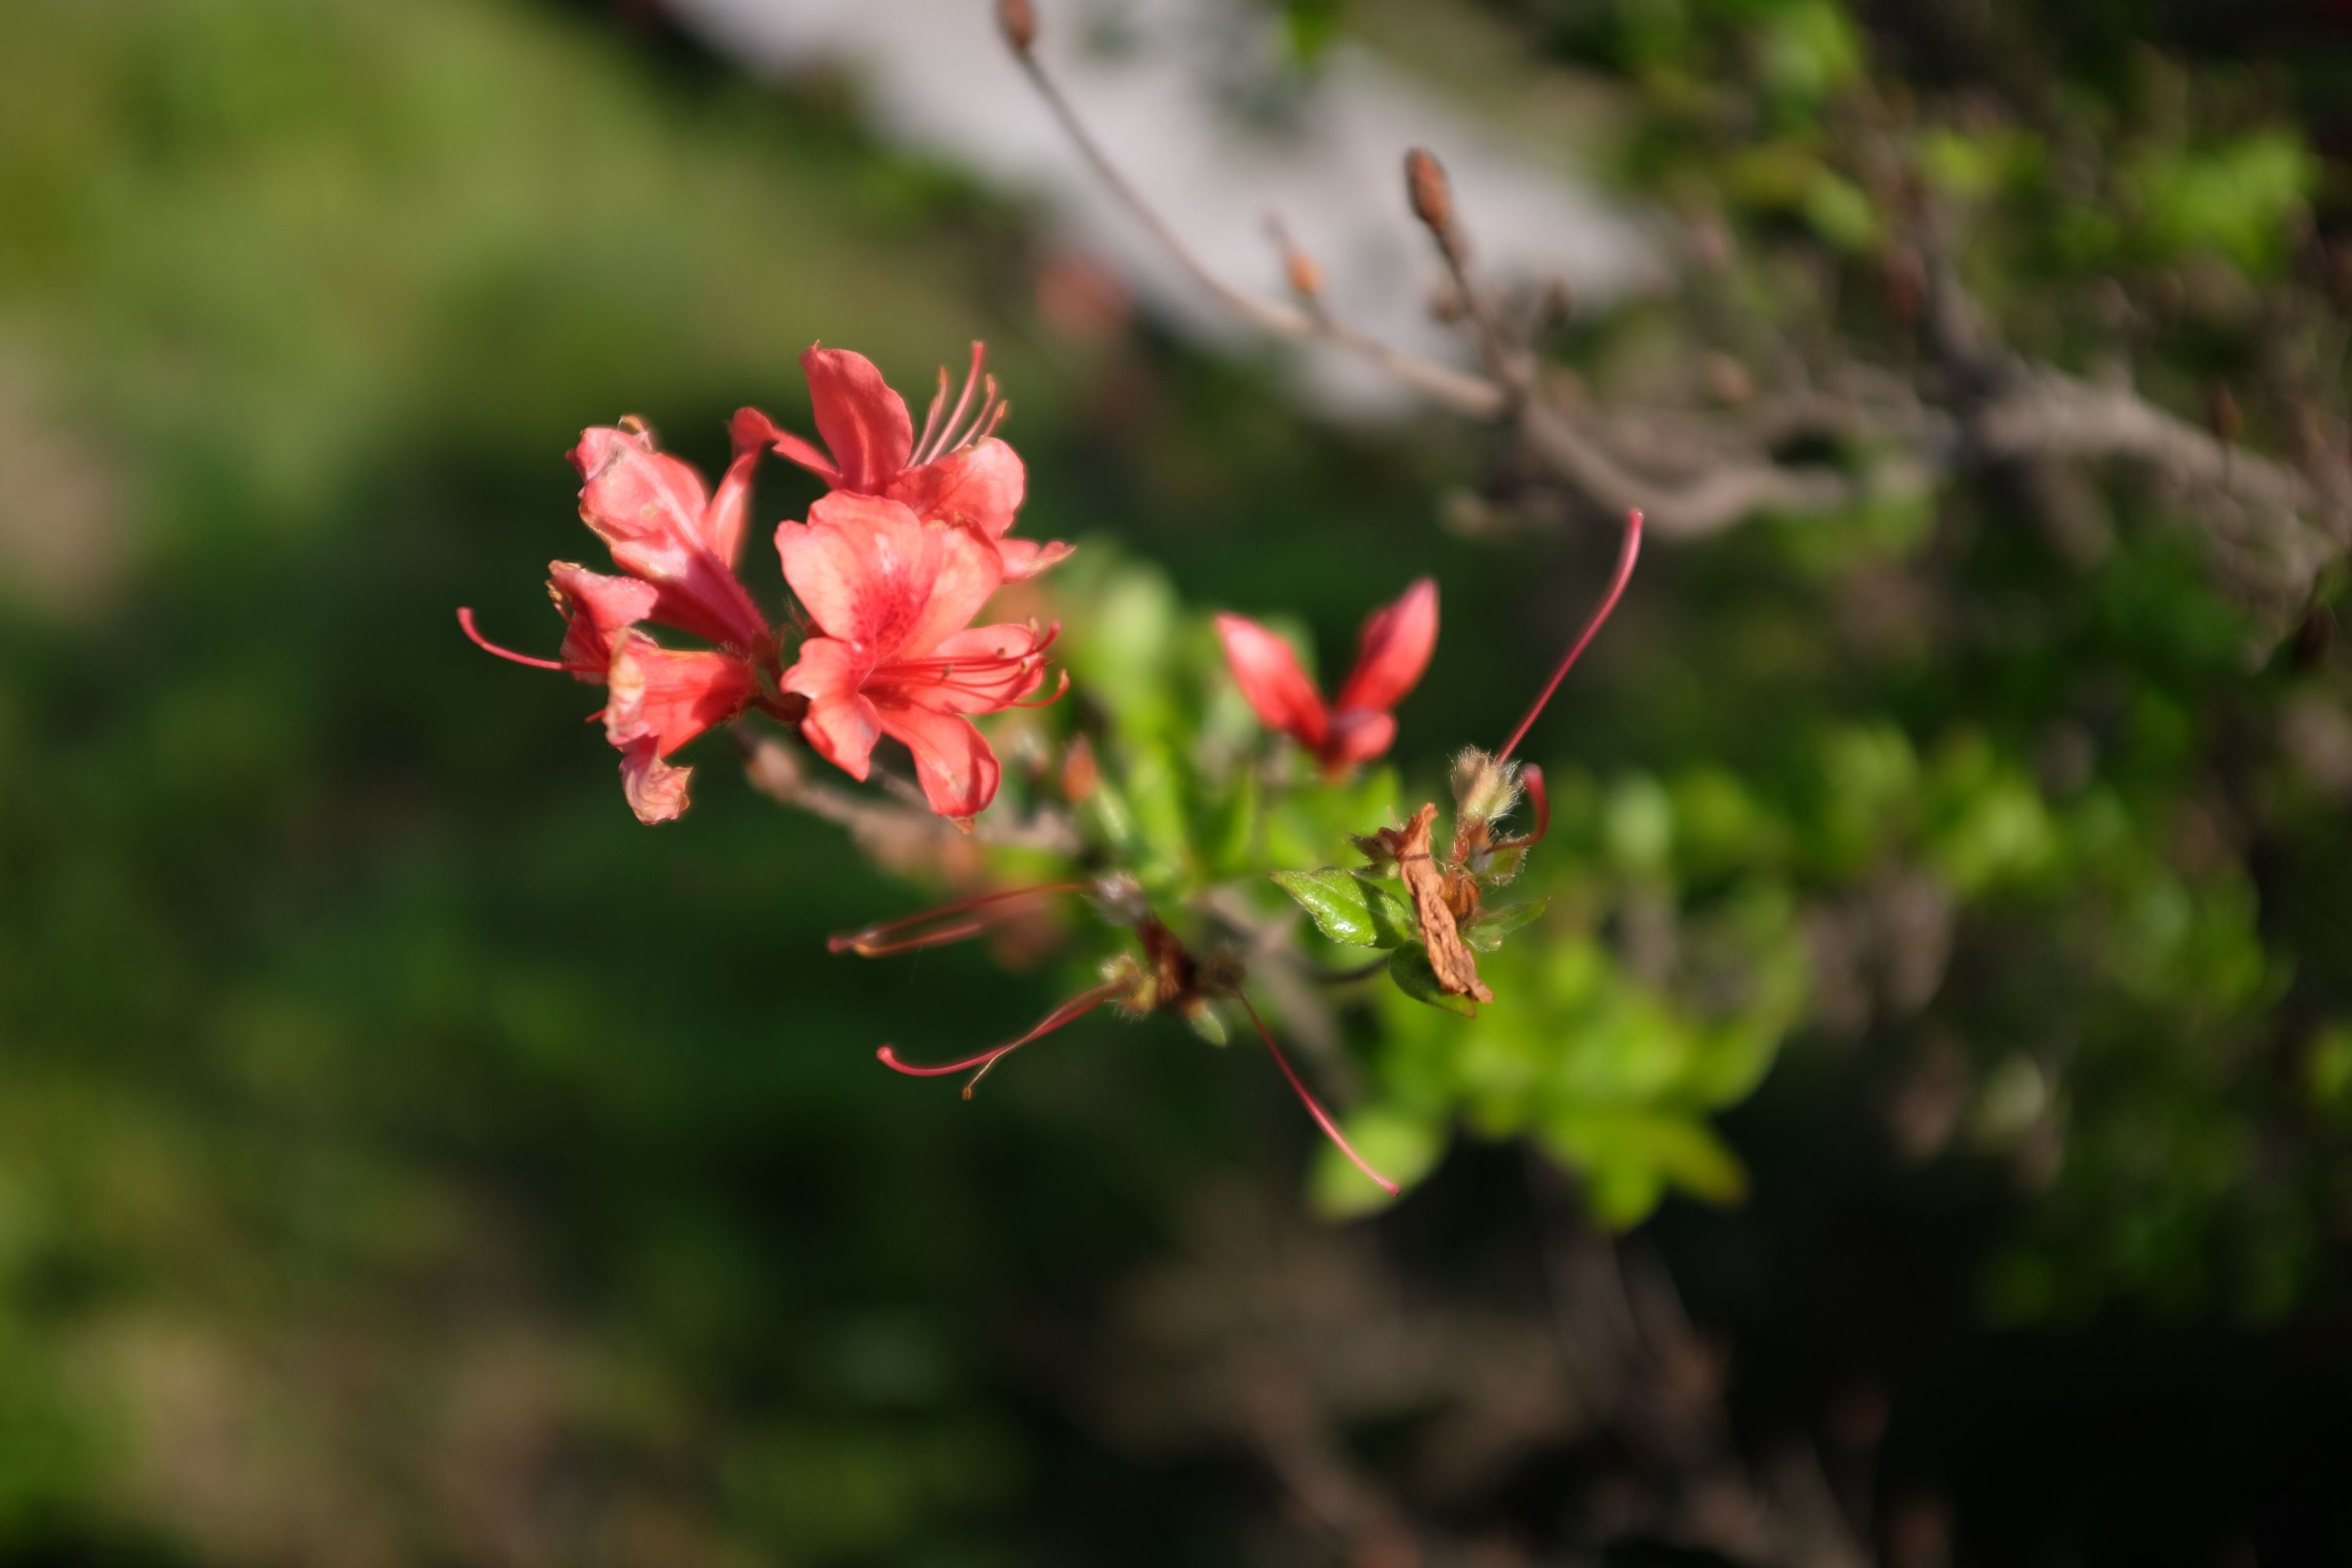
(1426, 189)
(1019, 23)
(1204, 1020)
(1305, 277)
(1483, 789)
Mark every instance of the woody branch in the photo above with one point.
(1991, 410)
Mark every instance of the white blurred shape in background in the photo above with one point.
(1191, 98)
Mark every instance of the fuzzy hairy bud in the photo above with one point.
(1483, 789)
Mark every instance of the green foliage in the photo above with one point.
(1350, 906)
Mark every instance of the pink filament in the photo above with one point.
(1069, 1012)
(466, 624)
(935, 446)
(871, 943)
(1322, 1117)
(1626, 554)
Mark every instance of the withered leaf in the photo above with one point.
(1449, 956)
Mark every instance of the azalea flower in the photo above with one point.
(956, 473)
(678, 540)
(892, 653)
(659, 698)
(1391, 653)
(665, 528)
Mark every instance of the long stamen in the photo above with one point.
(466, 625)
(1061, 689)
(931, 419)
(982, 422)
(1626, 554)
(963, 401)
(877, 941)
(1069, 1012)
(1314, 1109)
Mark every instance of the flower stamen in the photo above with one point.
(466, 625)
(879, 940)
(1313, 1107)
(1626, 554)
(1069, 1012)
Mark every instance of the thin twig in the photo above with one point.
(1470, 394)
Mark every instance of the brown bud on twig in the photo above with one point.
(1019, 23)
(2222, 414)
(1299, 268)
(1425, 188)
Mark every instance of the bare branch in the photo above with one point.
(1469, 394)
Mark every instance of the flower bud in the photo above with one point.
(1483, 789)
(1425, 188)
(1019, 23)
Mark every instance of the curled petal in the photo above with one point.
(862, 422)
(1394, 650)
(595, 606)
(980, 486)
(1270, 678)
(1531, 779)
(1024, 558)
(785, 445)
(1357, 735)
(952, 762)
(669, 695)
(656, 791)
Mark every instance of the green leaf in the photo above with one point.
(1486, 932)
(1350, 909)
(1409, 967)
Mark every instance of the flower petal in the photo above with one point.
(1394, 650)
(841, 724)
(669, 695)
(720, 527)
(864, 567)
(1024, 558)
(968, 572)
(648, 508)
(1358, 735)
(656, 791)
(980, 486)
(863, 423)
(952, 762)
(594, 606)
(791, 448)
(1268, 674)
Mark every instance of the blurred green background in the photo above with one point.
(406, 1158)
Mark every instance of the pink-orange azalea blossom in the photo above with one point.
(1391, 653)
(678, 540)
(956, 473)
(666, 528)
(657, 699)
(892, 653)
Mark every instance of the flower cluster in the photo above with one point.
(888, 568)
